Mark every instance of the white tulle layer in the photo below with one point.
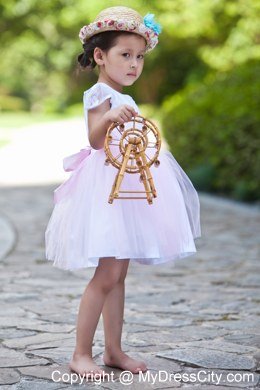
(84, 227)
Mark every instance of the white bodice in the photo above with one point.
(98, 93)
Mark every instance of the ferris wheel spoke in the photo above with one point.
(115, 137)
(148, 157)
(147, 131)
(120, 132)
(116, 158)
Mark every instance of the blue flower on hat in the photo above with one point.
(150, 23)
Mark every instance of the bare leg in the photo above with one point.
(113, 314)
(105, 278)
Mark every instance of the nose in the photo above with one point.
(134, 64)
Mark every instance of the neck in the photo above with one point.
(111, 83)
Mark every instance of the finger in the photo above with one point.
(129, 114)
(131, 109)
(121, 119)
(125, 116)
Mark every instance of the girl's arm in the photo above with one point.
(98, 123)
(101, 117)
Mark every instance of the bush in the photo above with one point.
(11, 103)
(212, 131)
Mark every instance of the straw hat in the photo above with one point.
(123, 19)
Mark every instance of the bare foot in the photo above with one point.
(123, 361)
(84, 364)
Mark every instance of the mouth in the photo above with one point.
(131, 74)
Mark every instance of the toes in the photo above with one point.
(137, 370)
(142, 368)
(89, 374)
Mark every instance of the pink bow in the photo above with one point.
(71, 163)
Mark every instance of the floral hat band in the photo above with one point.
(123, 19)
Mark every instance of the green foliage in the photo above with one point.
(181, 65)
(213, 128)
(11, 103)
(205, 46)
(225, 32)
(39, 46)
(39, 49)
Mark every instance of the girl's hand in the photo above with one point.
(121, 114)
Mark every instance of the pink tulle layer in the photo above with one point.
(84, 227)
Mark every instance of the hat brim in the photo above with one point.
(150, 36)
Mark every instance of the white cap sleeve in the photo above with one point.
(94, 96)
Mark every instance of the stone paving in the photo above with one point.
(201, 313)
(197, 315)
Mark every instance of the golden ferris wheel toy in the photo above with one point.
(133, 147)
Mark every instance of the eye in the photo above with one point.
(127, 54)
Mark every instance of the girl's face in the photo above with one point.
(123, 63)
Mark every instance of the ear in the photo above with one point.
(98, 56)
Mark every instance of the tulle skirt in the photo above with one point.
(84, 227)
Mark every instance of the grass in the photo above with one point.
(20, 119)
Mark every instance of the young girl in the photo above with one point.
(84, 229)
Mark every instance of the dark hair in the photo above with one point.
(104, 40)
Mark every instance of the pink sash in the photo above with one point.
(71, 163)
